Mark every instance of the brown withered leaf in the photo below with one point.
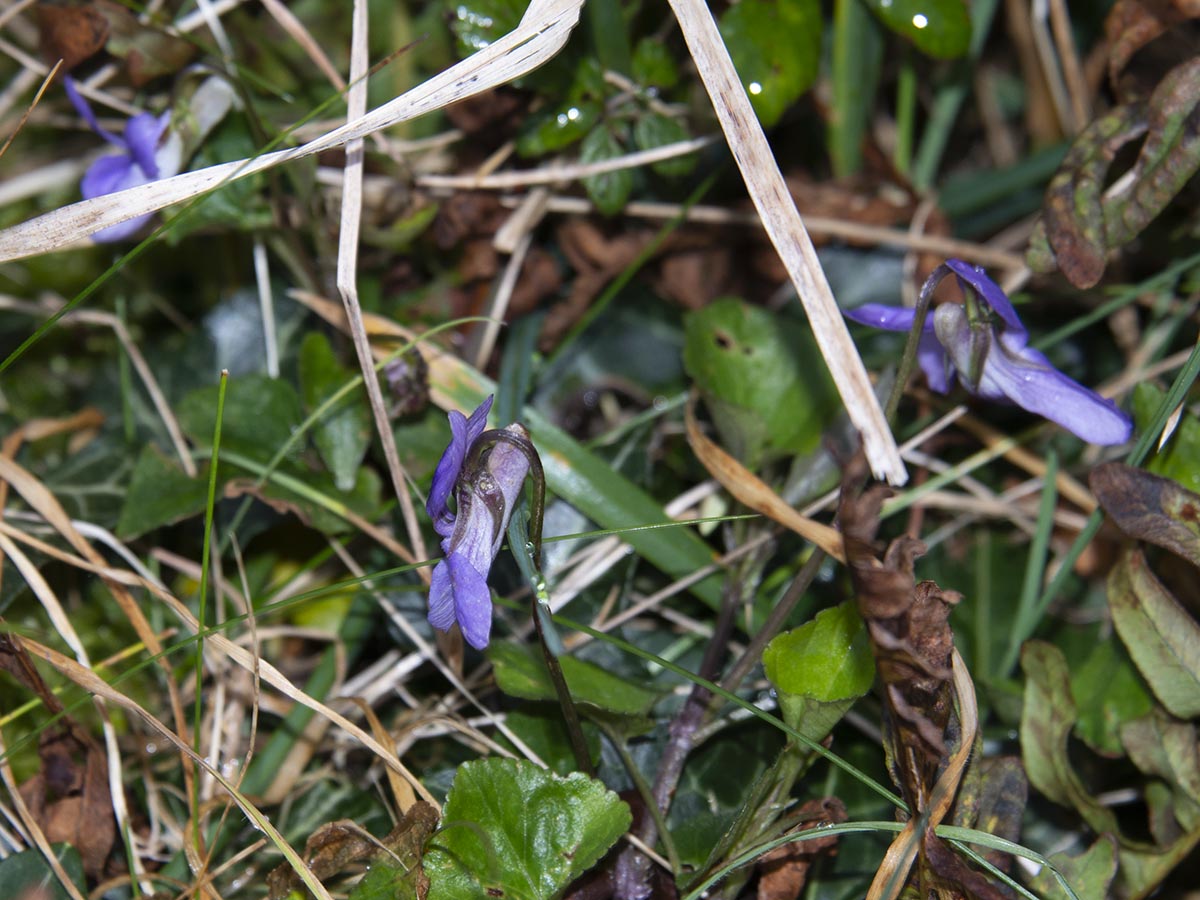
(338, 847)
(1081, 221)
(784, 871)
(148, 50)
(71, 32)
(69, 797)
(1132, 24)
(1149, 508)
(15, 661)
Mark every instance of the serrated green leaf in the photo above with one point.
(27, 875)
(343, 433)
(655, 130)
(820, 669)
(1180, 458)
(938, 28)
(653, 65)
(1108, 693)
(775, 46)
(160, 493)
(1161, 636)
(513, 830)
(755, 370)
(521, 672)
(610, 190)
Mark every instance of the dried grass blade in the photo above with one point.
(750, 490)
(783, 225)
(541, 34)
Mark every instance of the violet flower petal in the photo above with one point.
(472, 602)
(142, 134)
(930, 355)
(108, 175)
(1044, 390)
(889, 318)
(463, 432)
(85, 112)
(974, 277)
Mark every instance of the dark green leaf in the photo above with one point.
(556, 128)
(1046, 722)
(820, 669)
(477, 23)
(260, 415)
(343, 433)
(610, 190)
(755, 369)
(1108, 693)
(1162, 637)
(654, 130)
(521, 672)
(160, 493)
(545, 733)
(1089, 874)
(1167, 748)
(775, 46)
(1180, 458)
(653, 65)
(513, 830)
(938, 28)
(27, 875)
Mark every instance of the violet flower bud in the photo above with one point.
(1007, 368)
(486, 489)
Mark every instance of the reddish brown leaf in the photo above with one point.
(1132, 24)
(70, 32)
(784, 871)
(1150, 508)
(69, 797)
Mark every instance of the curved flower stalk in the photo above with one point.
(485, 471)
(992, 357)
(151, 147)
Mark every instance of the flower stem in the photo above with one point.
(909, 359)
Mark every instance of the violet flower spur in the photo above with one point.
(486, 484)
(149, 151)
(993, 359)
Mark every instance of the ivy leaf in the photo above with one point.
(610, 190)
(343, 434)
(775, 46)
(514, 830)
(820, 669)
(938, 28)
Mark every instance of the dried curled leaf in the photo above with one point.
(1081, 222)
(1150, 508)
(1132, 24)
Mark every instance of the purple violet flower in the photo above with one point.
(148, 152)
(994, 361)
(486, 490)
